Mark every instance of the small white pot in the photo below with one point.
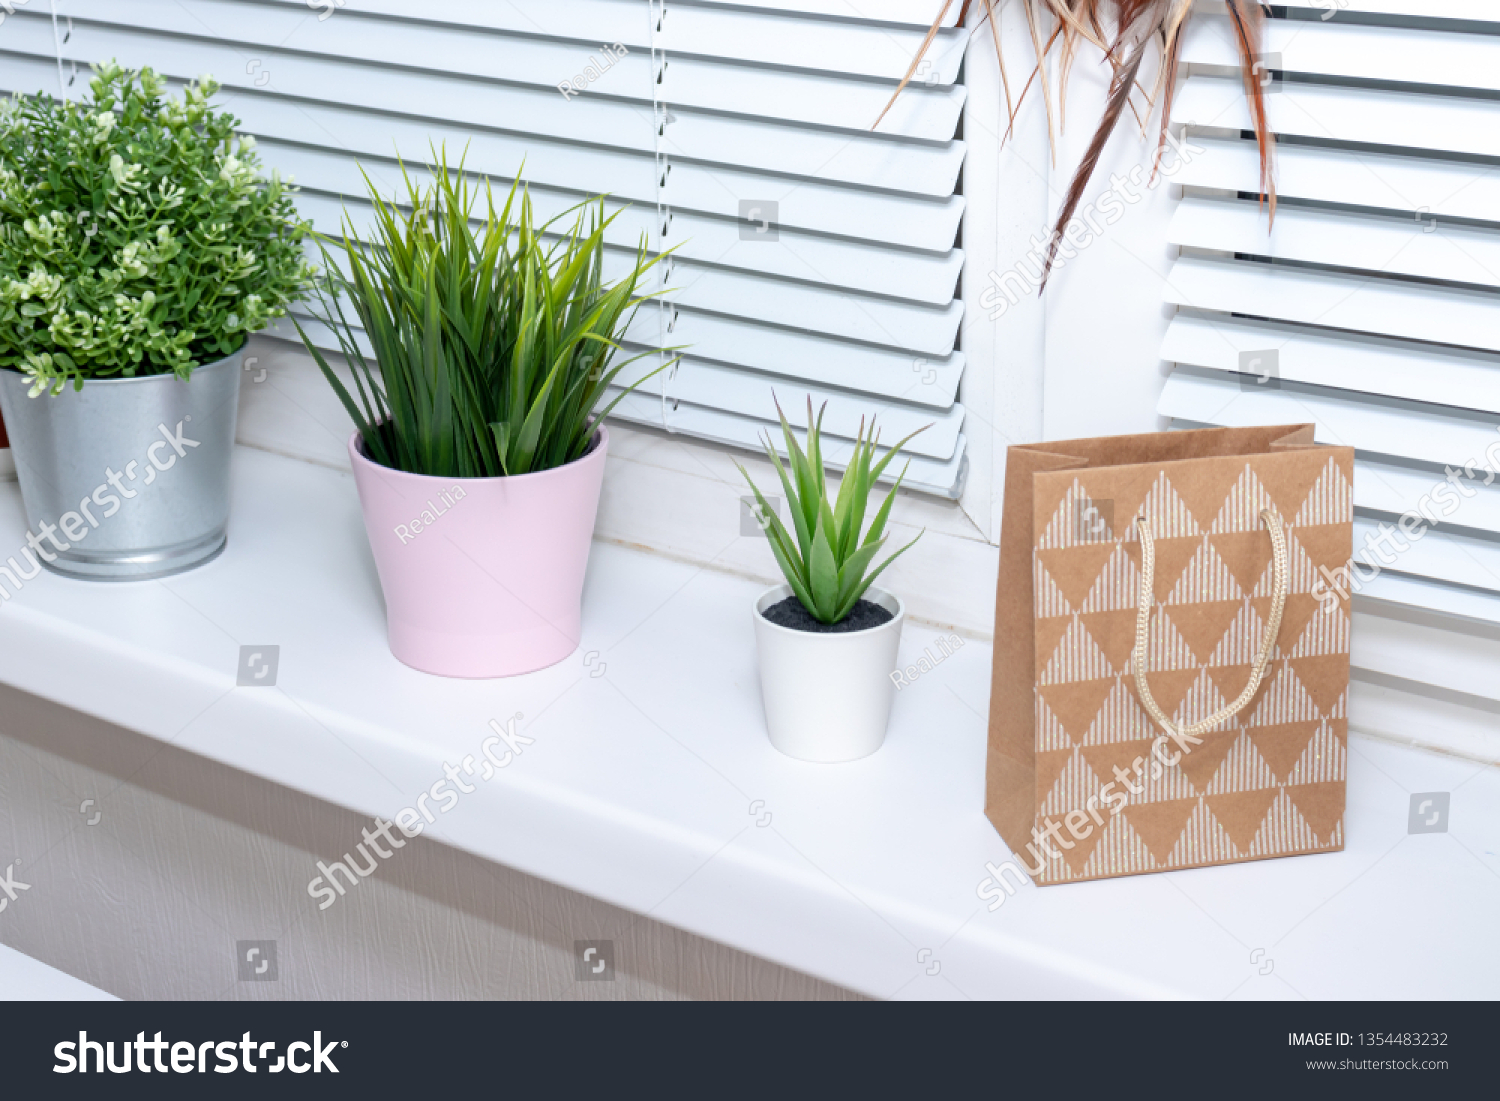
(827, 696)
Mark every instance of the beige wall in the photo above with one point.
(188, 857)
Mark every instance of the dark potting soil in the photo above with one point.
(790, 613)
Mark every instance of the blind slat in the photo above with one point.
(941, 478)
(1385, 306)
(761, 37)
(527, 115)
(902, 327)
(780, 352)
(871, 216)
(1366, 308)
(1417, 247)
(734, 391)
(1471, 10)
(1347, 361)
(916, 13)
(1441, 124)
(1402, 55)
(1391, 489)
(1444, 556)
(1432, 434)
(928, 278)
(782, 358)
(811, 255)
(1435, 188)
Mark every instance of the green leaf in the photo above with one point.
(792, 563)
(809, 490)
(794, 504)
(833, 565)
(823, 575)
(373, 444)
(860, 589)
(848, 508)
(794, 582)
(852, 572)
(502, 443)
(161, 269)
(495, 347)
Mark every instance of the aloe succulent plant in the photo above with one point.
(827, 564)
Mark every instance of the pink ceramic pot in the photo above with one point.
(483, 577)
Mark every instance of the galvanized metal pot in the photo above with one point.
(126, 479)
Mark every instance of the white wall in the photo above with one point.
(1105, 314)
(1006, 191)
(1082, 359)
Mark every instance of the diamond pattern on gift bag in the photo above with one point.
(1269, 781)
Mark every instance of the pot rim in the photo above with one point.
(144, 378)
(785, 590)
(596, 451)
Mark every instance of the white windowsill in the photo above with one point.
(647, 785)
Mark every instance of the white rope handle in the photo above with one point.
(1279, 581)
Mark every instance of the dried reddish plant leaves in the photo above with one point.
(1136, 23)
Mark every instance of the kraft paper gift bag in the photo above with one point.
(1171, 668)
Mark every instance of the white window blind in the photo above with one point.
(1373, 305)
(812, 256)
